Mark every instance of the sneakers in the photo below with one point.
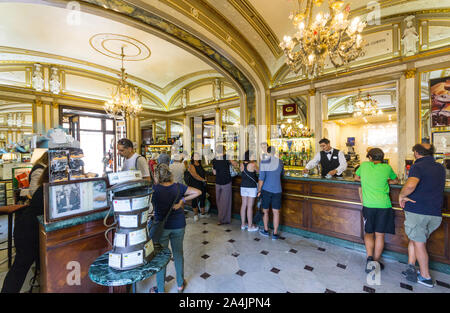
(370, 259)
(244, 227)
(264, 233)
(206, 215)
(410, 273)
(275, 236)
(428, 282)
(254, 228)
(195, 218)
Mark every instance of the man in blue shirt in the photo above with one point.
(269, 188)
(422, 198)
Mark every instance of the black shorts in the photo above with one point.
(379, 220)
(270, 199)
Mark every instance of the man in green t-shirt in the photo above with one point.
(375, 177)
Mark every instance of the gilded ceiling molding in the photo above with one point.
(217, 24)
(312, 92)
(382, 3)
(366, 68)
(179, 80)
(251, 15)
(114, 72)
(163, 25)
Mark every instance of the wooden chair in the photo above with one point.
(10, 210)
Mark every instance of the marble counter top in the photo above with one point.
(100, 273)
(72, 221)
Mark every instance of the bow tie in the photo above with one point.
(329, 152)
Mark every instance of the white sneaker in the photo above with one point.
(206, 215)
(195, 218)
(254, 228)
(244, 227)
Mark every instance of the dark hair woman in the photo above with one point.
(26, 239)
(249, 190)
(197, 179)
(165, 194)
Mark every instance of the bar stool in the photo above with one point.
(10, 210)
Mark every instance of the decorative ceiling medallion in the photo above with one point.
(111, 45)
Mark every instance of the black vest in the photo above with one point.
(329, 165)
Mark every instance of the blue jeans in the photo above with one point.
(176, 237)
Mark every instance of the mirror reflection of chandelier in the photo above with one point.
(125, 100)
(366, 106)
(329, 34)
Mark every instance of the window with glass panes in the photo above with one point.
(94, 129)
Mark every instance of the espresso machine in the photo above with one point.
(351, 157)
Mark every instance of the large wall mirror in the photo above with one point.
(361, 118)
(231, 122)
(16, 122)
(16, 129)
(161, 137)
(176, 132)
(434, 102)
(294, 108)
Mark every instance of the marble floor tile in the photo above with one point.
(254, 262)
(264, 282)
(232, 261)
(228, 283)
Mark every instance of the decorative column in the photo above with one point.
(411, 114)
(38, 122)
(54, 114)
(138, 134)
(167, 131)
(315, 116)
(154, 131)
(217, 128)
(187, 134)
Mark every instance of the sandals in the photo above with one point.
(181, 289)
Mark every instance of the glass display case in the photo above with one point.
(293, 140)
(230, 131)
(158, 149)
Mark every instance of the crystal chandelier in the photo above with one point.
(329, 34)
(125, 100)
(366, 106)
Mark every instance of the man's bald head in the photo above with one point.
(423, 149)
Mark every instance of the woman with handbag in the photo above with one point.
(196, 178)
(168, 201)
(249, 190)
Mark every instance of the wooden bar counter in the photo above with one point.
(67, 249)
(332, 207)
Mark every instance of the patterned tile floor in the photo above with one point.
(226, 259)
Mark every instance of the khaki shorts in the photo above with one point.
(418, 227)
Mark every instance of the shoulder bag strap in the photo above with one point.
(161, 224)
(245, 172)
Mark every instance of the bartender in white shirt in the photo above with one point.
(332, 160)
